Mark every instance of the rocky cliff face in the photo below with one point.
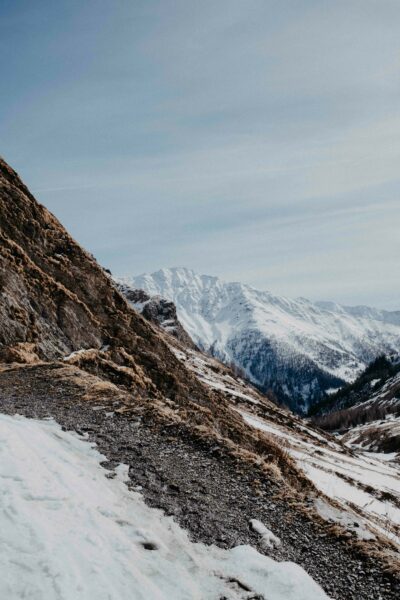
(43, 296)
(157, 310)
(54, 296)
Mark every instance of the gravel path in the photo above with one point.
(208, 494)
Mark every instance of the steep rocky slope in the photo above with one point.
(296, 348)
(57, 302)
(342, 475)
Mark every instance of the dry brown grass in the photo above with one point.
(22, 352)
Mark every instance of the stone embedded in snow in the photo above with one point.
(69, 532)
(268, 539)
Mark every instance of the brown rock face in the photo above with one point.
(46, 279)
(56, 298)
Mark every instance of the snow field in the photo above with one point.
(69, 532)
(346, 479)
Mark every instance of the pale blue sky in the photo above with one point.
(256, 140)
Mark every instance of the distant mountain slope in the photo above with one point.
(297, 348)
(367, 411)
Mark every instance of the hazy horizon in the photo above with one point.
(256, 141)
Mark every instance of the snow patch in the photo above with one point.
(348, 521)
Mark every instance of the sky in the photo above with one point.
(256, 140)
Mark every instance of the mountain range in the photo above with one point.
(297, 349)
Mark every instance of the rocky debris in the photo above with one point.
(209, 493)
(23, 352)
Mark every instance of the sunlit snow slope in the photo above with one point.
(364, 481)
(297, 348)
(69, 532)
(364, 487)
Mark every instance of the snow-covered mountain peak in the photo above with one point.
(296, 347)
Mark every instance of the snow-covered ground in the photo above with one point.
(69, 532)
(364, 484)
(205, 369)
(370, 435)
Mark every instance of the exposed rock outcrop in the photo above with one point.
(157, 310)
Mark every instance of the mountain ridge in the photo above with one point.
(297, 348)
